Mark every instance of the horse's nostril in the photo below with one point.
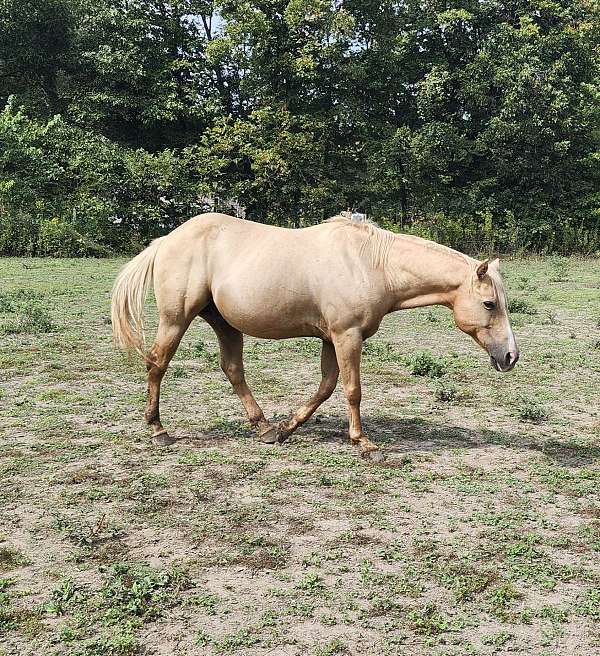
(511, 358)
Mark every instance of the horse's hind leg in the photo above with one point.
(329, 373)
(167, 340)
(231, 343)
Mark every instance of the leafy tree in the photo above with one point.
(475, 123)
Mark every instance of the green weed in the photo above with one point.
(448, 392)
(426, 364)
(378, 351)
(139, 590)
(29, 319)
(521, 306)
(560, 267)
(334, 647)
(201, 351)
(533, 411)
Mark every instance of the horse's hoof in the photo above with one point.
(163, 439)
(374, 455)
(270, 436)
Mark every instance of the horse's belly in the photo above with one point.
(268, 311)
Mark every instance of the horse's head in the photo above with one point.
(480, 310)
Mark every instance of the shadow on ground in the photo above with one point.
(398, 436)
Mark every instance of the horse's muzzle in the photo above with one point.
(506, 362)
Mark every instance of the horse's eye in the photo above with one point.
(489, 305)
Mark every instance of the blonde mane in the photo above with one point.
(378, 241)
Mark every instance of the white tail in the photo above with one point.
(128, 298)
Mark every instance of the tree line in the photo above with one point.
(474, 122)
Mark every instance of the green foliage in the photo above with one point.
(61, 598)
(27, 313)
(119, 644)
(477, 126)
(138, 590)
(448, 392)
(521, 306)
(531, 410)
(427, 364)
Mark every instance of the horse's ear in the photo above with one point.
(495, 263)
(482, 268)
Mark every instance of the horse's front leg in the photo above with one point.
(329, 377)
(348, 348)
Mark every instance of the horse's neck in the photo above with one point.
(421, 274)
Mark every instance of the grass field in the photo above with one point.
(479, 534)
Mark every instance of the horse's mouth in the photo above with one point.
(500, 368)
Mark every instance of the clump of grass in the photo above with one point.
(533, 411)
(500, 601)
(201, 351)
(334, 647)
(428, 621)
(524, 283)
(560, 269)
(85, 534)
(179, 371)
(550, 318)
(497, 639)
(11, 559)
(589, 604)
(12, 300)
(30, 316)
(61, 597)
(521, 306)
(142, 591)
(427, 364)
(381, 352)
(448, 392)
(305, 345)
(431, 316)
(312, 584)
(29, 319)
(120, 643)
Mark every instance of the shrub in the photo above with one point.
(19, 233)
(57, 238)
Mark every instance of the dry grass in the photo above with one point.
(480, 534)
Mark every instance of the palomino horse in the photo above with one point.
(335, 281)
